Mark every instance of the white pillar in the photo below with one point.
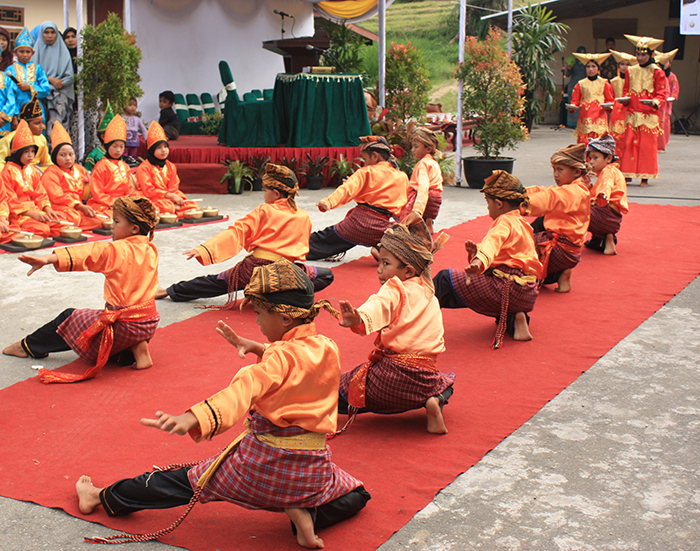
(460, 87)
(66, 18)
(381, 92)
(81, 115)
(127, 15)
(510, 27)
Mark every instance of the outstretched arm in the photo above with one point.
(244, 345)
(38, 262)
(471, 248)
(349, 316)
(174, 424)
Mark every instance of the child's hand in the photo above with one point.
(586, 179)
(174, 424)
(244, 345)
(175, 198)
(471, 248)
(601, 200)
(475, 267)
(349, 316)
(4, 225)
(192, 253)
(23, 86)
(37, 262)
(323, 206)
(52, 214)
(87, 211)
(37, 215)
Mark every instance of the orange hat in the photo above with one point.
(23, 137)
(59, 136)
(155, 134)
(116, 130)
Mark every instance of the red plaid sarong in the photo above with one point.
(259, 476)
(556, 252)
(363, 226)
(604, 220)
(392, 383)
(95, 335)
(432, 209)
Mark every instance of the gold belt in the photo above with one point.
(306, 441)
(266, 255)
(520, 280)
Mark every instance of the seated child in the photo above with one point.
(65, 182)
(501, 276)
(565, 211)
(425, 186)
(379, 188)
(98, 153)
(30, 208)
(129, 319)
(7, 230)
(134, 124)
(30, 112)
(608, 195)
(281, 462)
(29, 76)
(156, 177)
(111, 176)
(168, 117)
(274, 230)
(402, 372)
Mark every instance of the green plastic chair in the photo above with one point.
(181, 109)
(194, 105)
(268, 94)
(208, 104)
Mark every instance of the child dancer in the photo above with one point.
(672, 91)
(379, 188)
(501, 276)
(402, 372)
(156, 177)
(281, 462)
(589, 95)
(129, 320)
(565, 210)
(274, 230)
(425, 185)
(619, 112)
(134, 124)
(65, 182)
(608, 195)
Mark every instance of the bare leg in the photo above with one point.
(306, 537)
(88, 495)
(644, 183)
(436, 423)
(15, 349)
(564, 281)
(142, 355)
(161, 293)
(522, 329)
(429, 224)
(610, 244)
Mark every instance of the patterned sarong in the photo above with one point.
(604, 220)
(556, 253)
(363, 226)
(432, 208)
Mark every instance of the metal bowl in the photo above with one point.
(194, 213)
(167, 218)
(107, 224)
(71, 232)
(210, 211)
(27, 242)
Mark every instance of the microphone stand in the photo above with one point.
(282, 31)
(324, 52)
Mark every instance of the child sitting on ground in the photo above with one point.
(608, 195)
(281, 462)
(65, 182)
(564, 211)
(134, 125)
(379, 188)
(168, 117)
(32, 113)
(274, 230)
(402, 372)
(7, 230)
(96, 155)
(501, 276)
(129, 320)
(156, 177)
(425, 185)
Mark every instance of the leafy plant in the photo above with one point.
(313, 168)
(536, 38)
(493, 94)
(345, 46)
(236, 173)
(211, 124)
(257, 164)
(108, 66)
(292, 164)
(342, 167)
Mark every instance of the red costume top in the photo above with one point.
(155, 182)
(588, 95)
(109, 180)
(611, 183)
(24, 188)
(666, 110)
(426, 177)
(65, 188)
(566, 209)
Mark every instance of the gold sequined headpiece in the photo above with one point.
(662, 59)
(622, 56)
(595, 58)
(31, 109)
(644, 44)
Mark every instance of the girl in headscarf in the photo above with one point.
(5, 46)
(70, 37)
(53, 56)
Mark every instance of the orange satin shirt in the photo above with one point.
(65, 187)
(379, 185)
(295, 383)
(24, 189)
(611, 183)
(426, 177)
(130, 266)
(510, 242)
(108, 181)
(154, 182)
(566, 209)
(273, 227)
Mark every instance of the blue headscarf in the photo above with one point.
(55, 59)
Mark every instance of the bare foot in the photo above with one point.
(161, 292)
(142, 355)
(644, 183)
(610, 244)
(88, 495)
(522, 329)
(564, 281)
(15, 349)
(436, 423)
(306, 537)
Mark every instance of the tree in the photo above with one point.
(108, 66)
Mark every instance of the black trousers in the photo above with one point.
(163, 490)
(443, 398)
(45, 339)
(326, 243)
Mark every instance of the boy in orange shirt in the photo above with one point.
(129, 320)
(281, 462)
(379, 188)
(564, 211)
(274, 230)
(501, 277)
(608, 195)
(402, 372)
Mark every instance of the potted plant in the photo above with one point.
(237, 172)
(292, 164)
(493, 96)
(341, 168)
(257, 164)
(313, 170)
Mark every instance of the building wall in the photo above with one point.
(38, 11)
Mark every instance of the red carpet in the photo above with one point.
(61, 432)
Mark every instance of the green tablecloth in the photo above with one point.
(249, 124)
(320, 110)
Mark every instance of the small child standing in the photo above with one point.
(30, 77)
(168, 117)
(134, 125)
(129, 319)
(156, 177)
(425, 185)
(608, 195)
(501, 276)
(281, 462)
(565, 211)
(402, 372)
